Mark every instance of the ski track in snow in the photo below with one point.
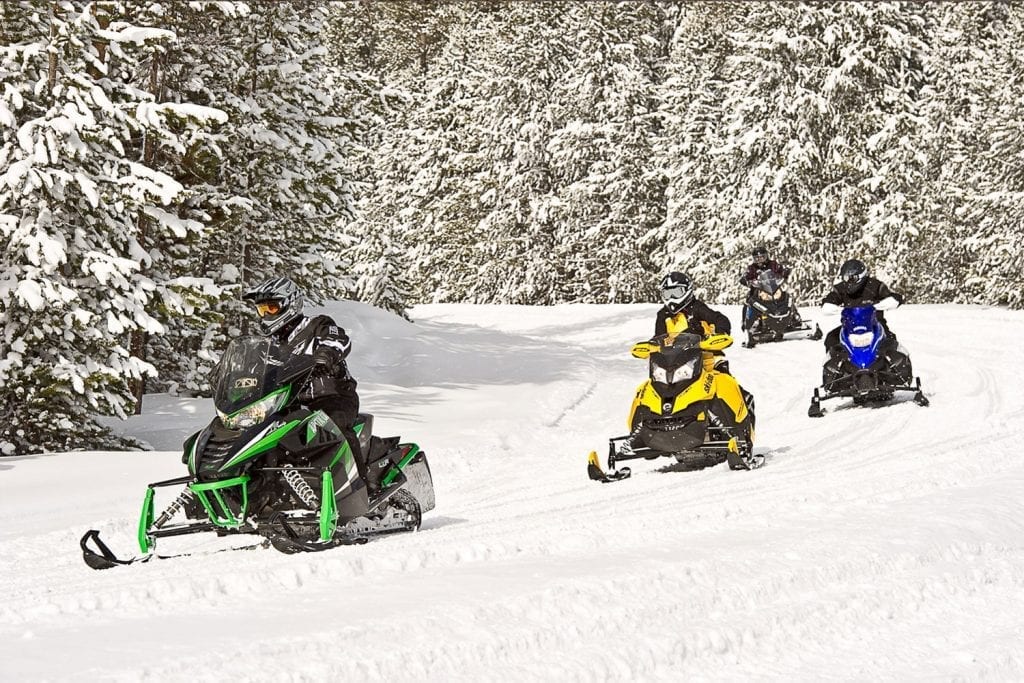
(876, 543)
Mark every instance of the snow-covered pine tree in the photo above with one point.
(192, 70)
(966, 89)
(285, 151)
(273, 184)
(377, 256)
(691, 96)
(396, 42)
(373, 48)
(609, 194)
(817, 151)
(988, 228)
(72, 199)
(434, 177)
(530, 46)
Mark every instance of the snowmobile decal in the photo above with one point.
(345, 452)
(260, 444)
(319, 420)
(410, 451)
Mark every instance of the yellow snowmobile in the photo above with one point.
(685, 408)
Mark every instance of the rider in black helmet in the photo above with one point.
(279, 303)
(856, 287)
(762, 262)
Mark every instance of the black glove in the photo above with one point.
(322, 361)
(318, 386)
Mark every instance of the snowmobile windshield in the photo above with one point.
(678, 361)
(247, 372)
(769, 282)
(686, 340)
(859, 319)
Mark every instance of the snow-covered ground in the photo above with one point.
(874, 544)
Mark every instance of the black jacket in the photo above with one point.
(321, 338)
(872, 292)
(700, 319)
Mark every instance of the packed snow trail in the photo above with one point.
(875, 543)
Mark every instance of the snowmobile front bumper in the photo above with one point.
(737, 454)
(875, 393)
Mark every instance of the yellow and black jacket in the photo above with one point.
(697, 318)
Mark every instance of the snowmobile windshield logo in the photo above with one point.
(246, 383)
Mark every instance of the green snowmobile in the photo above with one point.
(269, 467)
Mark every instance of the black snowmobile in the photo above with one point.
(266, 466)
(869, 369)
(774, 313)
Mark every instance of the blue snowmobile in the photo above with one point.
(872, 368)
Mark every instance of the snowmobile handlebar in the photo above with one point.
(713, 342)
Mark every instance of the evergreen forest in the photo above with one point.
(158, 158)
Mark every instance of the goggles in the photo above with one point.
(264, 308)
(675, 293)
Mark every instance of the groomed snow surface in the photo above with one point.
(882, 543)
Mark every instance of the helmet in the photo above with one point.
(676, 291)
(760, 254)
(852, 276)
(278, 302)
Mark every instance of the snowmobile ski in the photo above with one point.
(595, 472)
(740, 459)
(919, 397)
(105, 558)
(815, 409)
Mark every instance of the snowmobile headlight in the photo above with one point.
(861, 339)
(763, 295)
(659, 374)
(778, 294)
(254, 413)
(687, 371)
